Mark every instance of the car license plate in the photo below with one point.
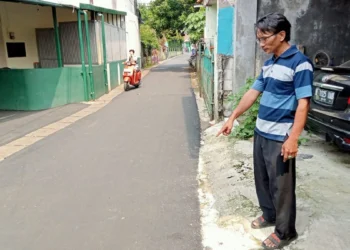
(324, 96)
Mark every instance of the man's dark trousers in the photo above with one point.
(275, 185)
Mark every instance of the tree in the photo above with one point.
(167, 16)
(194, 25)
(145, 12)
(148, 36)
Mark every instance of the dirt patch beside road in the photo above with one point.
(323, 193)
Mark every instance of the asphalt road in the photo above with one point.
(121, 178)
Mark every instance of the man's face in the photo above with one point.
(270, 42)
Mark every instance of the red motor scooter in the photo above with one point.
(131, 76)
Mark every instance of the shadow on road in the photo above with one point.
(182, 68)
(192, 125)
(15, 124)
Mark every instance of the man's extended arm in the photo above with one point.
(246, 102)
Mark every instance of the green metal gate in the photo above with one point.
(206, 77)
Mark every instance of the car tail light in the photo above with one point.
(347, 140)
(349, 101)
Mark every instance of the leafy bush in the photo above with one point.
(245, 130)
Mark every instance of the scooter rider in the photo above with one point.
(193, 54)
(133, 59)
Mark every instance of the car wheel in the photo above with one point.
(328, 138)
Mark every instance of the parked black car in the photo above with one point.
(330, 105)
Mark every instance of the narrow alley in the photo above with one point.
(122, 178)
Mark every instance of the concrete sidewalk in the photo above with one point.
(15, 124)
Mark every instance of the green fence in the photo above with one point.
(174, 52)
(99, 82)
(115, 78)
(205, 70)
(37, 89)
(113, 69)
(121, 65)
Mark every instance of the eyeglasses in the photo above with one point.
(264, 39)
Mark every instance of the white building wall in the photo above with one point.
(133, 34)
(133, 40)
(210, 22)
(129, 6)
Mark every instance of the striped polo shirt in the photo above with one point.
(283, 81)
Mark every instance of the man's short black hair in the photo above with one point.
(275, 23)
(133, 51)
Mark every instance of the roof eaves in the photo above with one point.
(40, 3)
(36, 2)
(84, 6)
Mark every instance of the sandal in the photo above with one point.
(277, 242)
(260, 222)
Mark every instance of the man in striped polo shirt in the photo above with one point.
(285, 83)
